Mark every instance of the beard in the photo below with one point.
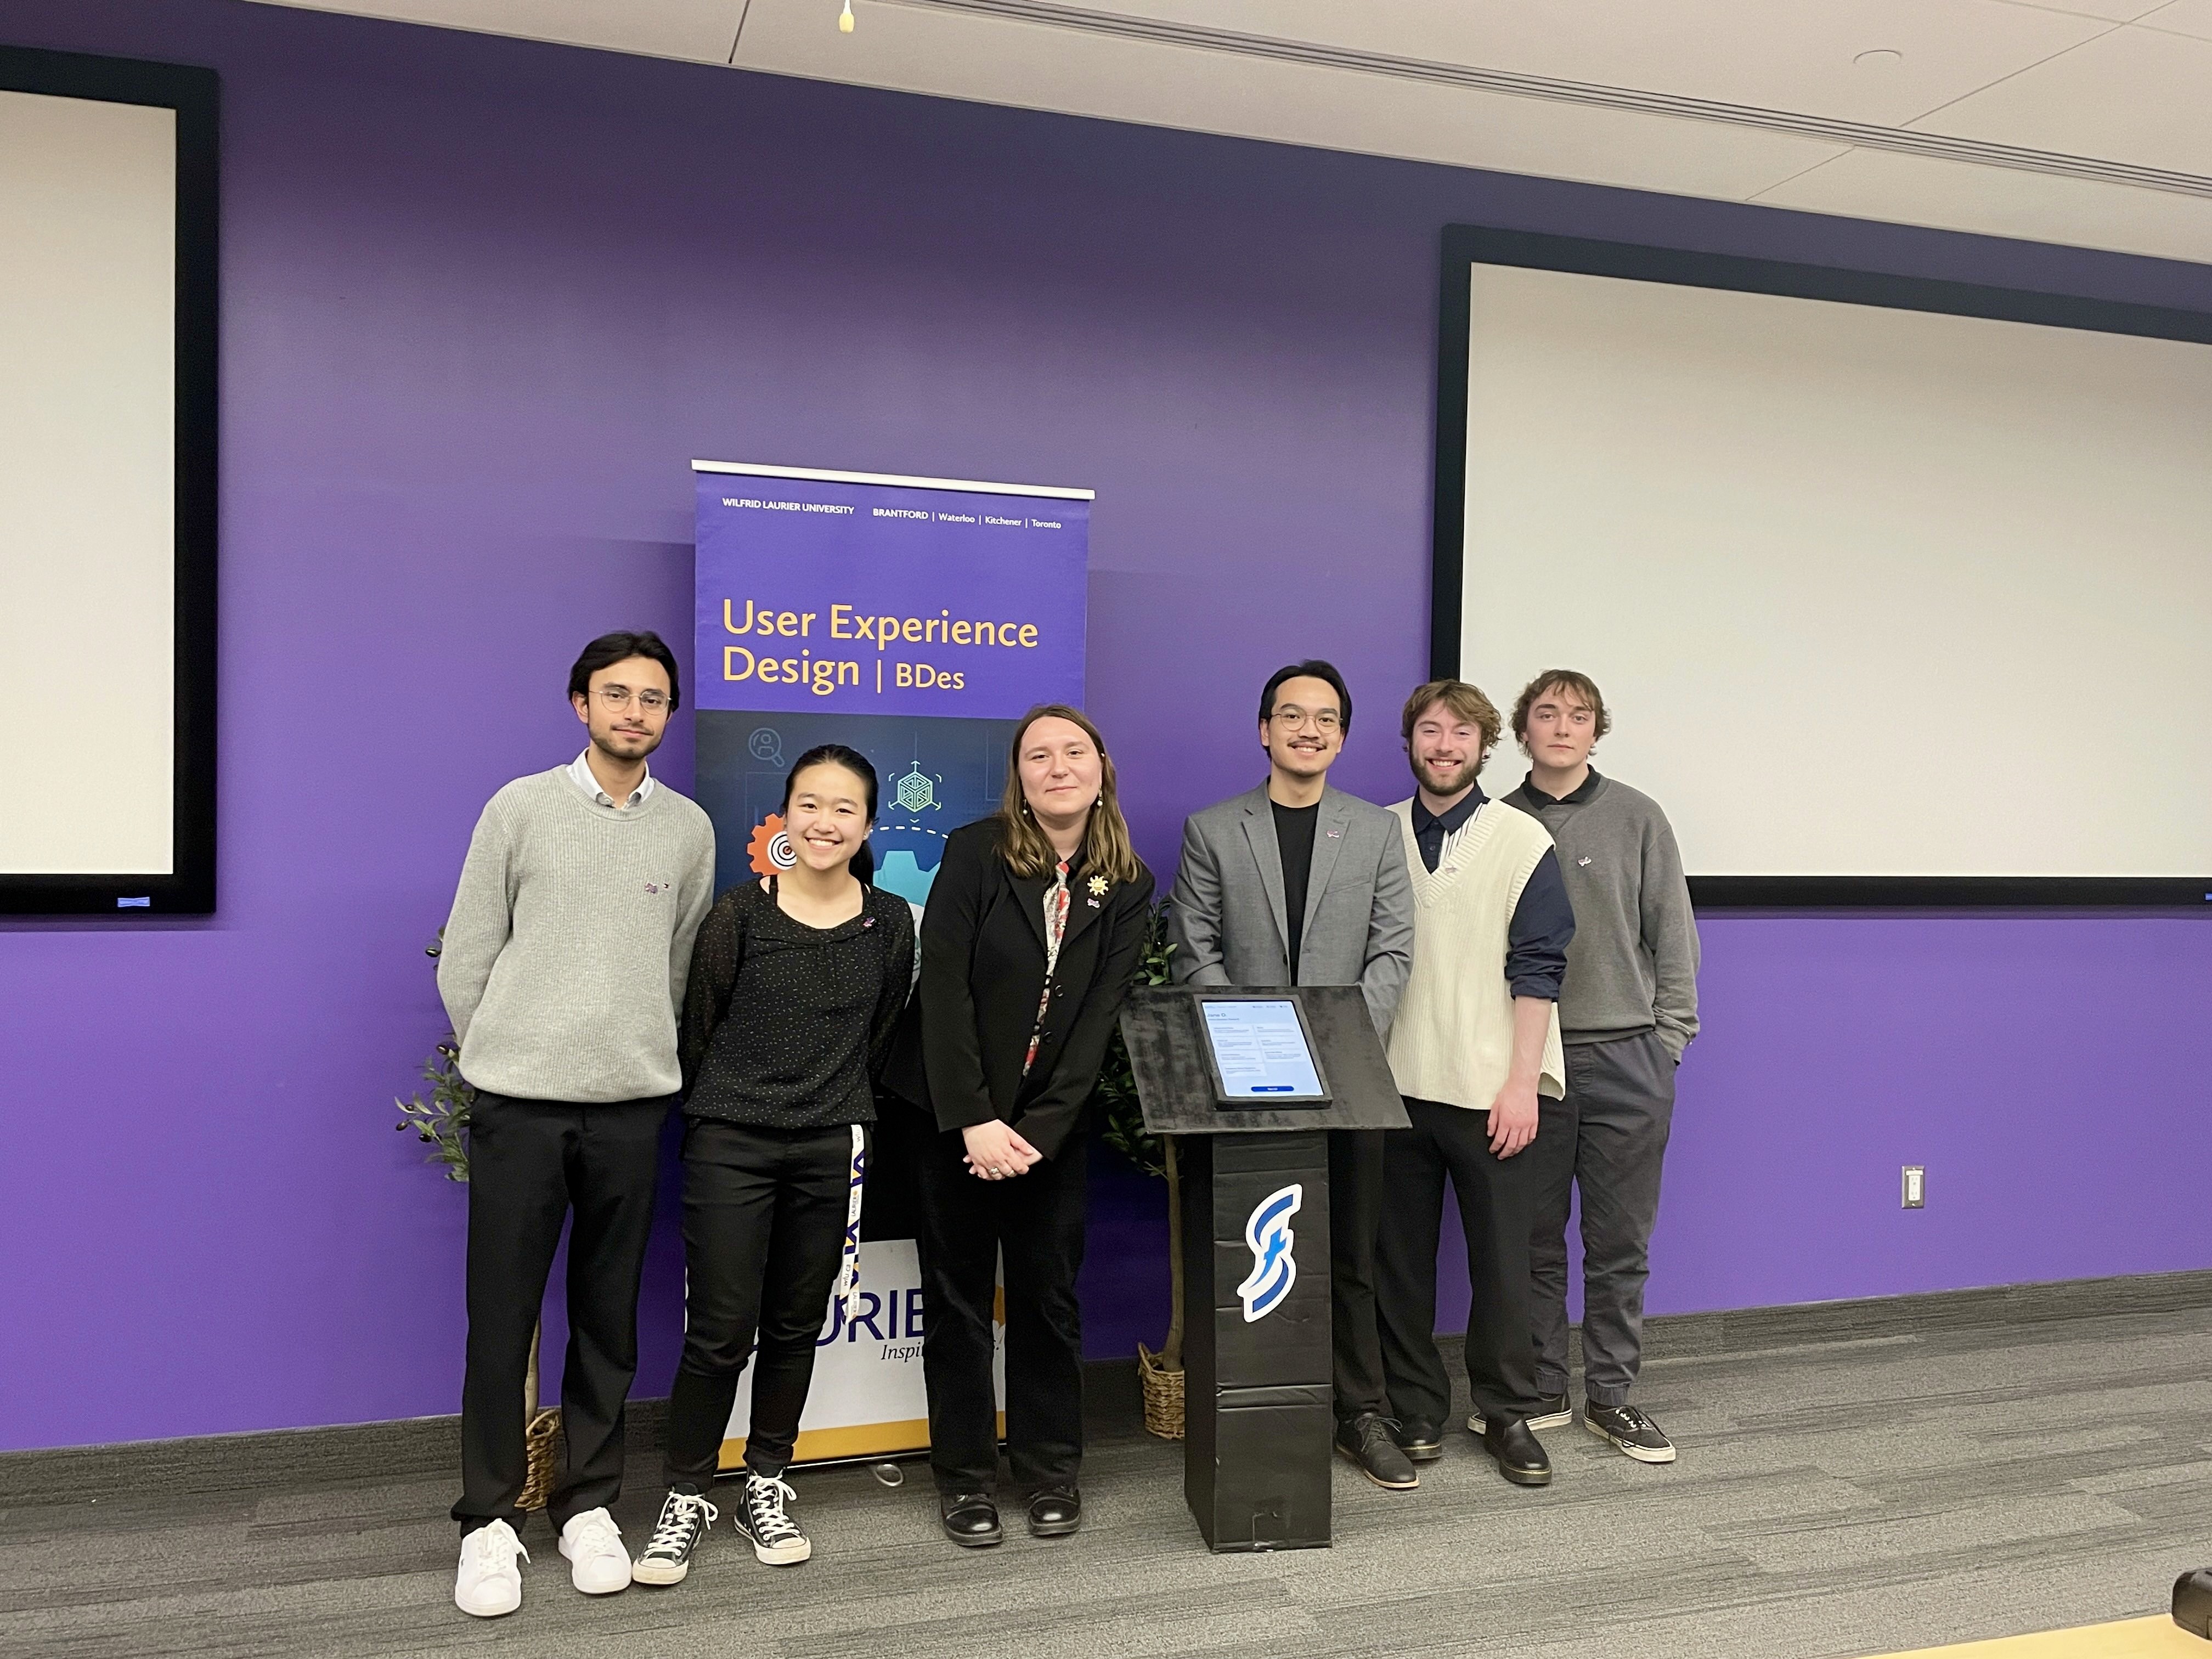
(626, 745)
(1446, 784)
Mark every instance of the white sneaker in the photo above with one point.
(489, 1583)
(598, 1562)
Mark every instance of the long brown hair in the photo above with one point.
(1106, 847)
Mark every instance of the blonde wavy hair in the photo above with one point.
(1106, 850)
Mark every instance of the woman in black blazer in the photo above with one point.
(1033, 928)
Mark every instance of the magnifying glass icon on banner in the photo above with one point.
(765, 746)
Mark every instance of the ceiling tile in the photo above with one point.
(2112, 11)
(2192, 17)
(1999, 202)
(1793, 56)
(2053, 76)
(2131, 95)
(995, 60)
(701, 30)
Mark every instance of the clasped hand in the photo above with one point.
(995, 1152)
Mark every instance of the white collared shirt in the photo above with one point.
(579, 773)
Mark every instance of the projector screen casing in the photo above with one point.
(1467, 247)
(188, 886)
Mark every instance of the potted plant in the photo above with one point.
(441, 1123)
(1122, 1126)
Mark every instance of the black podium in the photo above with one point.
(1258, 1423)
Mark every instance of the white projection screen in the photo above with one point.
(1898, 592)
(106, 479)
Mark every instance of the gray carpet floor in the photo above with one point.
(1844, 1498)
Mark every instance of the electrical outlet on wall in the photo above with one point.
(1916, 1187)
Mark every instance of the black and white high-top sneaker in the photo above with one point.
(764, 1517)
(685, 1517)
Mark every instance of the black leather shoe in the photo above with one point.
(971, 1519)
(2192, 1603)
(1054, 1511)
(1422, 1442)
(1366, 1441)
(1519, 1458)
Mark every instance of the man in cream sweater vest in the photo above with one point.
(1475, 1042)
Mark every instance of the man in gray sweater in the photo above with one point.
(562, 970)
(1626, 1013)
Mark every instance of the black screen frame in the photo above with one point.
(194, 93)
(1467, 245)
(1222, 1098)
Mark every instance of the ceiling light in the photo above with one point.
(845, 19)
(1879, 56)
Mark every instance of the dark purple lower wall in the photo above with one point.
(484, 301)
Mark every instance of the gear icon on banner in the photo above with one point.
(917, 791)
(769, 850)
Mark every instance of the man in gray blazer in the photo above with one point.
(1297, 884)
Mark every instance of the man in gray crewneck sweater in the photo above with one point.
(1627, 1010)
(562, 969)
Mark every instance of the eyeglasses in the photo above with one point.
(614, 698)
(1322, 719)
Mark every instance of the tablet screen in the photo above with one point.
(1261, 1053)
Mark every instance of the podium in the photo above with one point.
(1259, 1425)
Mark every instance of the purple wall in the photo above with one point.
(482, 301)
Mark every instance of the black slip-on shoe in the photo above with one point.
(1054, 1511)
(1551, 1411)
(971, 1518)
(1631, 1430)
(1366, 1440)
(1422, 1442)
(1519, 1458)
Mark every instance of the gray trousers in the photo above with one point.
(1608, 1137)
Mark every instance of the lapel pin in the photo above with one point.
(1098, 885)
(1336, 834)
(1582, 861)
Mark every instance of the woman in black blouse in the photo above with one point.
(796, 985)
(1034, 926)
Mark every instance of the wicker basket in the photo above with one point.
(542, 1437)
(1163, 1391)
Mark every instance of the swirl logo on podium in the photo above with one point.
(1275, 1269)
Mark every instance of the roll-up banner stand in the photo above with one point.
(915, 620)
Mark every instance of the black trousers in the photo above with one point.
(1356, 1186)
(764, 1237)
(1036, 1220)
(1498, 1200)
(530, 1163)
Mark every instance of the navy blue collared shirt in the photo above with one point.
(1543, 921)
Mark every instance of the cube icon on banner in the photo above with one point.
(917, 791)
